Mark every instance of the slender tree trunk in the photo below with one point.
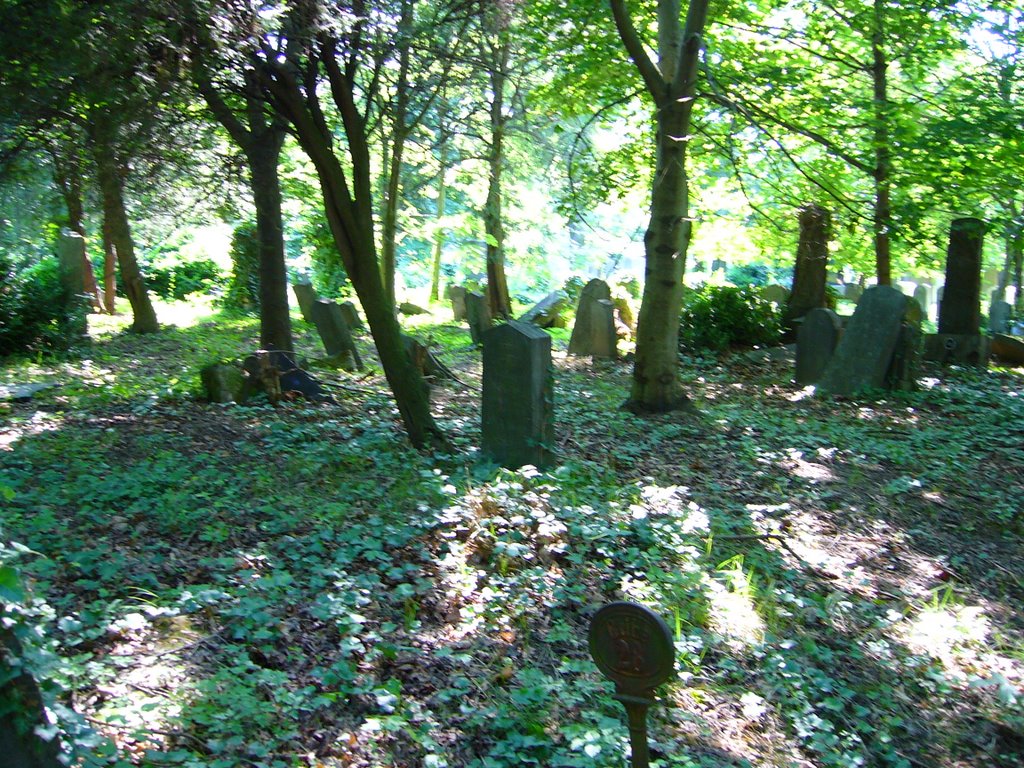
(69, 180)
(497, 285)
(439, 237)
(883, 152)
(275, 322)
(809, 271)
(118, 230)
(109, 267)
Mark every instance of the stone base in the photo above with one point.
(957, 349)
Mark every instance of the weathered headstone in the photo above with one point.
(864, 353)
(922, 296)
(71, 251)
(718, 265)
(1010, 349)
(335, 335)
(408, 308)
(591, 319)
(906, 357)
(999, 317)
(809, 270)
(478, 315)
(278, 374)
(959, 338)
(633, 647)
(457, 295)
(776, 294)
(223, 383)
(517, 409)
(816, 342)
(853, 292)
(604, 336)
(305, 295)
(546, 313)
(624, 313)
(351, 315)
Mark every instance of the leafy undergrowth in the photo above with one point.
(219, 586)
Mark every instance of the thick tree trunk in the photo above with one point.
(656, 386)
(275, 322)
(811, 260)
(119, 232)
(882, 220)
(494, 229)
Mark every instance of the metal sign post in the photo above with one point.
(633, 647)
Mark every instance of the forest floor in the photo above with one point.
(221, 585)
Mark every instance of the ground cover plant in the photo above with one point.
(216, 585)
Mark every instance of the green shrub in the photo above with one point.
(717, 317)
(243, 290)
(36, 312)
(179, 280)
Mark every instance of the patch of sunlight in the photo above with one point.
(185, 314)
(732, 613)
(17, 429)
(953, 634)
(803, 394)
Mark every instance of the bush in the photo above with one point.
(717, 317)
(179, 280)
(36, 312)
(243, 290)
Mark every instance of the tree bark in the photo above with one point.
(275, 322)
(439, 237)
(882, 219)
(68, 175)
(809, 271)
(117, 232)
(494, 229)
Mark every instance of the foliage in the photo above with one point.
(174, 282)
(36, 312)
(243, 289)
(717, 317)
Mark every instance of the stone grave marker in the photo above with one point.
(718, 265)
(906, 357)
(457, 295)
(71, 251)
(999, 317)
(776, 294)
(816, 342)
(591, 317)
(305, 295)
(517, 408)
(959, 339)
(351, 315)
(632, 646)
(853, 292)
(922, 296)
(478, 315)
(865, 351)
(546, 313)
(335, 335)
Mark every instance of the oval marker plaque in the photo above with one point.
(632, 646)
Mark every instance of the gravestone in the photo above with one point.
(71, 251)
(457, 295)
(335, 335)
(546, 313)
(864, 353)
(816, 342)
(278, 374)
(305, 295)
(809, 270)
(959, 338)
(853, 292)
(408, 308)
(718, 266)
(351, 315)
(624, 313)
(1009, 349)
(592, 321)
(517, 408)
(478, 315)
(223, 383)
(776, 294)
(999, 317)
(633, 647)
(906, 357)
(922, 296)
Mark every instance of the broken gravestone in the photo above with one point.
(335, 335)
(865, 352)
(408, 308)
(776, 294)
(959, 339)
(273, 372)
(816, 342)
(999, 317)
(517, 409)
(546, 313)
(305, 295)
(478, 315)
(457, 295)
(906, 357)
(351, 315)
(593, 332)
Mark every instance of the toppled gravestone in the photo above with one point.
(478, 315)
(336, 337)
(517, 405)
(864, 355)
(305, 295)
(546, 313)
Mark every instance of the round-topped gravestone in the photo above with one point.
(632, 646)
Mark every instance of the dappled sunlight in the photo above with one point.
(732, 611)
(37, 423)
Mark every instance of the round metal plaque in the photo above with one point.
(632, 646)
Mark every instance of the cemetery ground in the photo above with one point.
(225, 585)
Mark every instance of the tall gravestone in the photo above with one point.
(351, 315)
(810, 268)
(864, 354)
(517, 409)
(591, 320)
(816, 342)
(335, 334)
(959, 339)
(906, 357)
(305, 295)
(999, 317)
(478, 315)
(71, 252)
(457, 295)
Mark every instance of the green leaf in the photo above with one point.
(10, 586)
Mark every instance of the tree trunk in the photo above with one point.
(809, 271)
(497, 286)
(656, 386)
(275, 322)
(442, 196)
(882, 221)
(68, 175)
(117, 229)
(109, 268)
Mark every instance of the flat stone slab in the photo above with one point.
(1008, 348)
(957, 349)
(22, 393)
